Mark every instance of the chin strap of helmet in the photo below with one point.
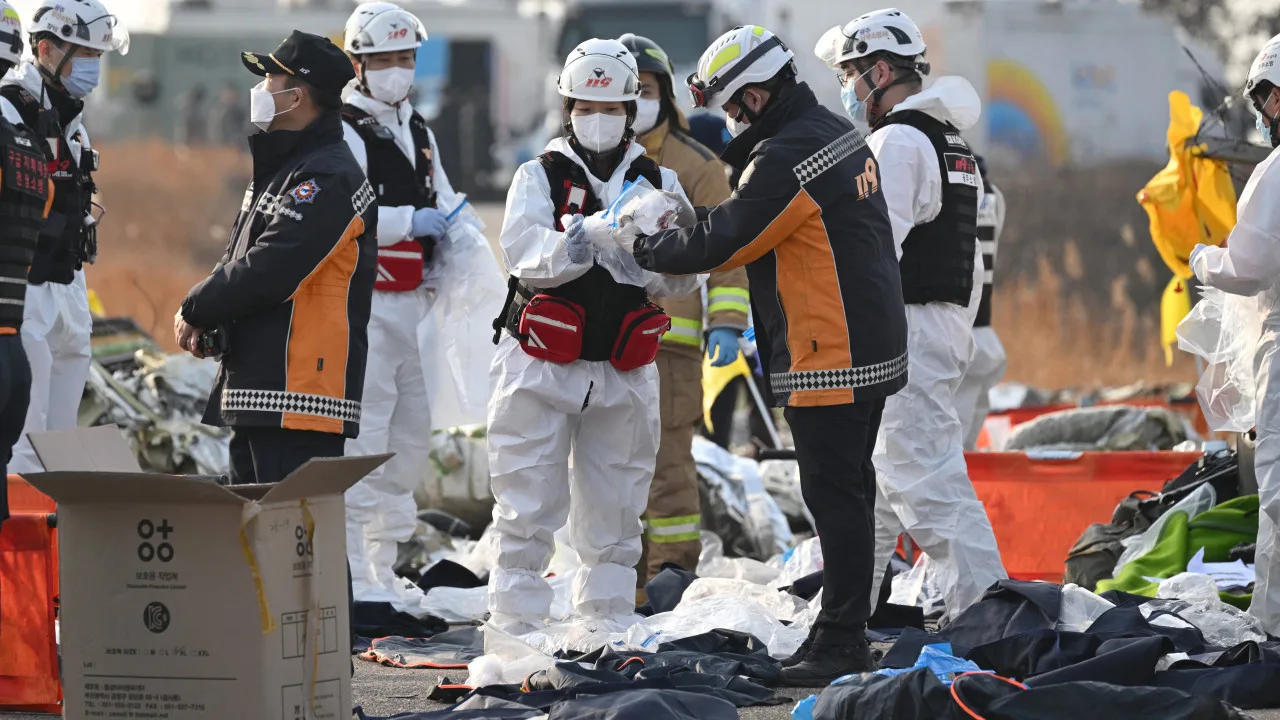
(916, 70)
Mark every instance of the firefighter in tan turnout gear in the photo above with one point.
(672, 520)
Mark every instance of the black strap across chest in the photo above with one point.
(395, 179)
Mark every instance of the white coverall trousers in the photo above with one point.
(395, 417)
(1266, 462)
(56, 329)
(973, 400)
(540, 412)
(922, 482)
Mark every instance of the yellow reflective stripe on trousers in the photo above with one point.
(685, 332)
(683, 528)
(724, 299)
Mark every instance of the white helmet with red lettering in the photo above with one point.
(379, 27)
(603, 70)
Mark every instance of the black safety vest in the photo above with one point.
(605, 301)
(937, 257)
(66, 242)
(396, 181)
(987, 239)
(24, 193)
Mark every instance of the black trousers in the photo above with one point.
(833, 447)
(268, 455)
(15, 394)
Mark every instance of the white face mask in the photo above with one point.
(262, 105)
(735, 128)
(647, 112)
(390, 85)
(599, 132)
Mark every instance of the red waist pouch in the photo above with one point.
(639, 337)
(551, 329)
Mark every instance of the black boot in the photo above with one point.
(798, 656)
(826, 662)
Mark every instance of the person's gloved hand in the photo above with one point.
(722, 346)
(1199, 248)
(575, 240)
(428, 222)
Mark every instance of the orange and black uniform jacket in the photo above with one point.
(811, 225)
(294, 288)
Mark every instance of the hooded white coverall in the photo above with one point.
(921, 478)
(56, 324)
(540, 412)
(1249, 265)
(396, 413)
(989, 361)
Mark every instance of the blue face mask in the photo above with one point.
(856, 108)
(1263, 127)
(84, 76)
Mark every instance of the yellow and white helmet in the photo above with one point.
(745, 55)
(80, 22)
(603, 70)
(10, 34)
(378, 27)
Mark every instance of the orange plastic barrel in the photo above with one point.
(29, 678)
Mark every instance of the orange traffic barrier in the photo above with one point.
(29, 678)
(1040, 505)
(24, 498)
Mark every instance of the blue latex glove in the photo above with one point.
(722, 346)
(429, 222)
(575, 240)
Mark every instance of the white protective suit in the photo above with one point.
(56, 324)
(540, 412)
(973, 399)
(1249, 265)
(396, 413)
(922, 482)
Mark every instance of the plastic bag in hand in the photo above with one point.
(643, 210)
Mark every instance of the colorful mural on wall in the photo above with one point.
(1022, 115)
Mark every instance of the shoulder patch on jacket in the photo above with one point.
(703, 151)
(826, 158)
(305, 193)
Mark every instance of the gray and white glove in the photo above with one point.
(576, 243)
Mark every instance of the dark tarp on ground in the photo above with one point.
(453, 649)
(665, 590)
(720, 652)
(447, 573)
(380, 619)
(920, 694)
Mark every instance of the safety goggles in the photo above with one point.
(702, 92)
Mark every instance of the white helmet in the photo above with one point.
(81, 22)
(10, 34)
(600, 70)
(1265, 67)
(888, 30)
(745, 55)
(378, 27)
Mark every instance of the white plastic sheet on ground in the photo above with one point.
(1080, 608)
(781, 479)
(1228, 575)
(1195, 599)
(713, 564)
(919, 587)
(1224, 330)
(800, 561)
(1202, 499)
(456, 336)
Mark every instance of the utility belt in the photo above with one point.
(621, 325)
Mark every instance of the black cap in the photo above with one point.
(307, 57)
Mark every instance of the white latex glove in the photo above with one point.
(576, 243)
(598, 231)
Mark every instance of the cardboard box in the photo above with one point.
(184, 599)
